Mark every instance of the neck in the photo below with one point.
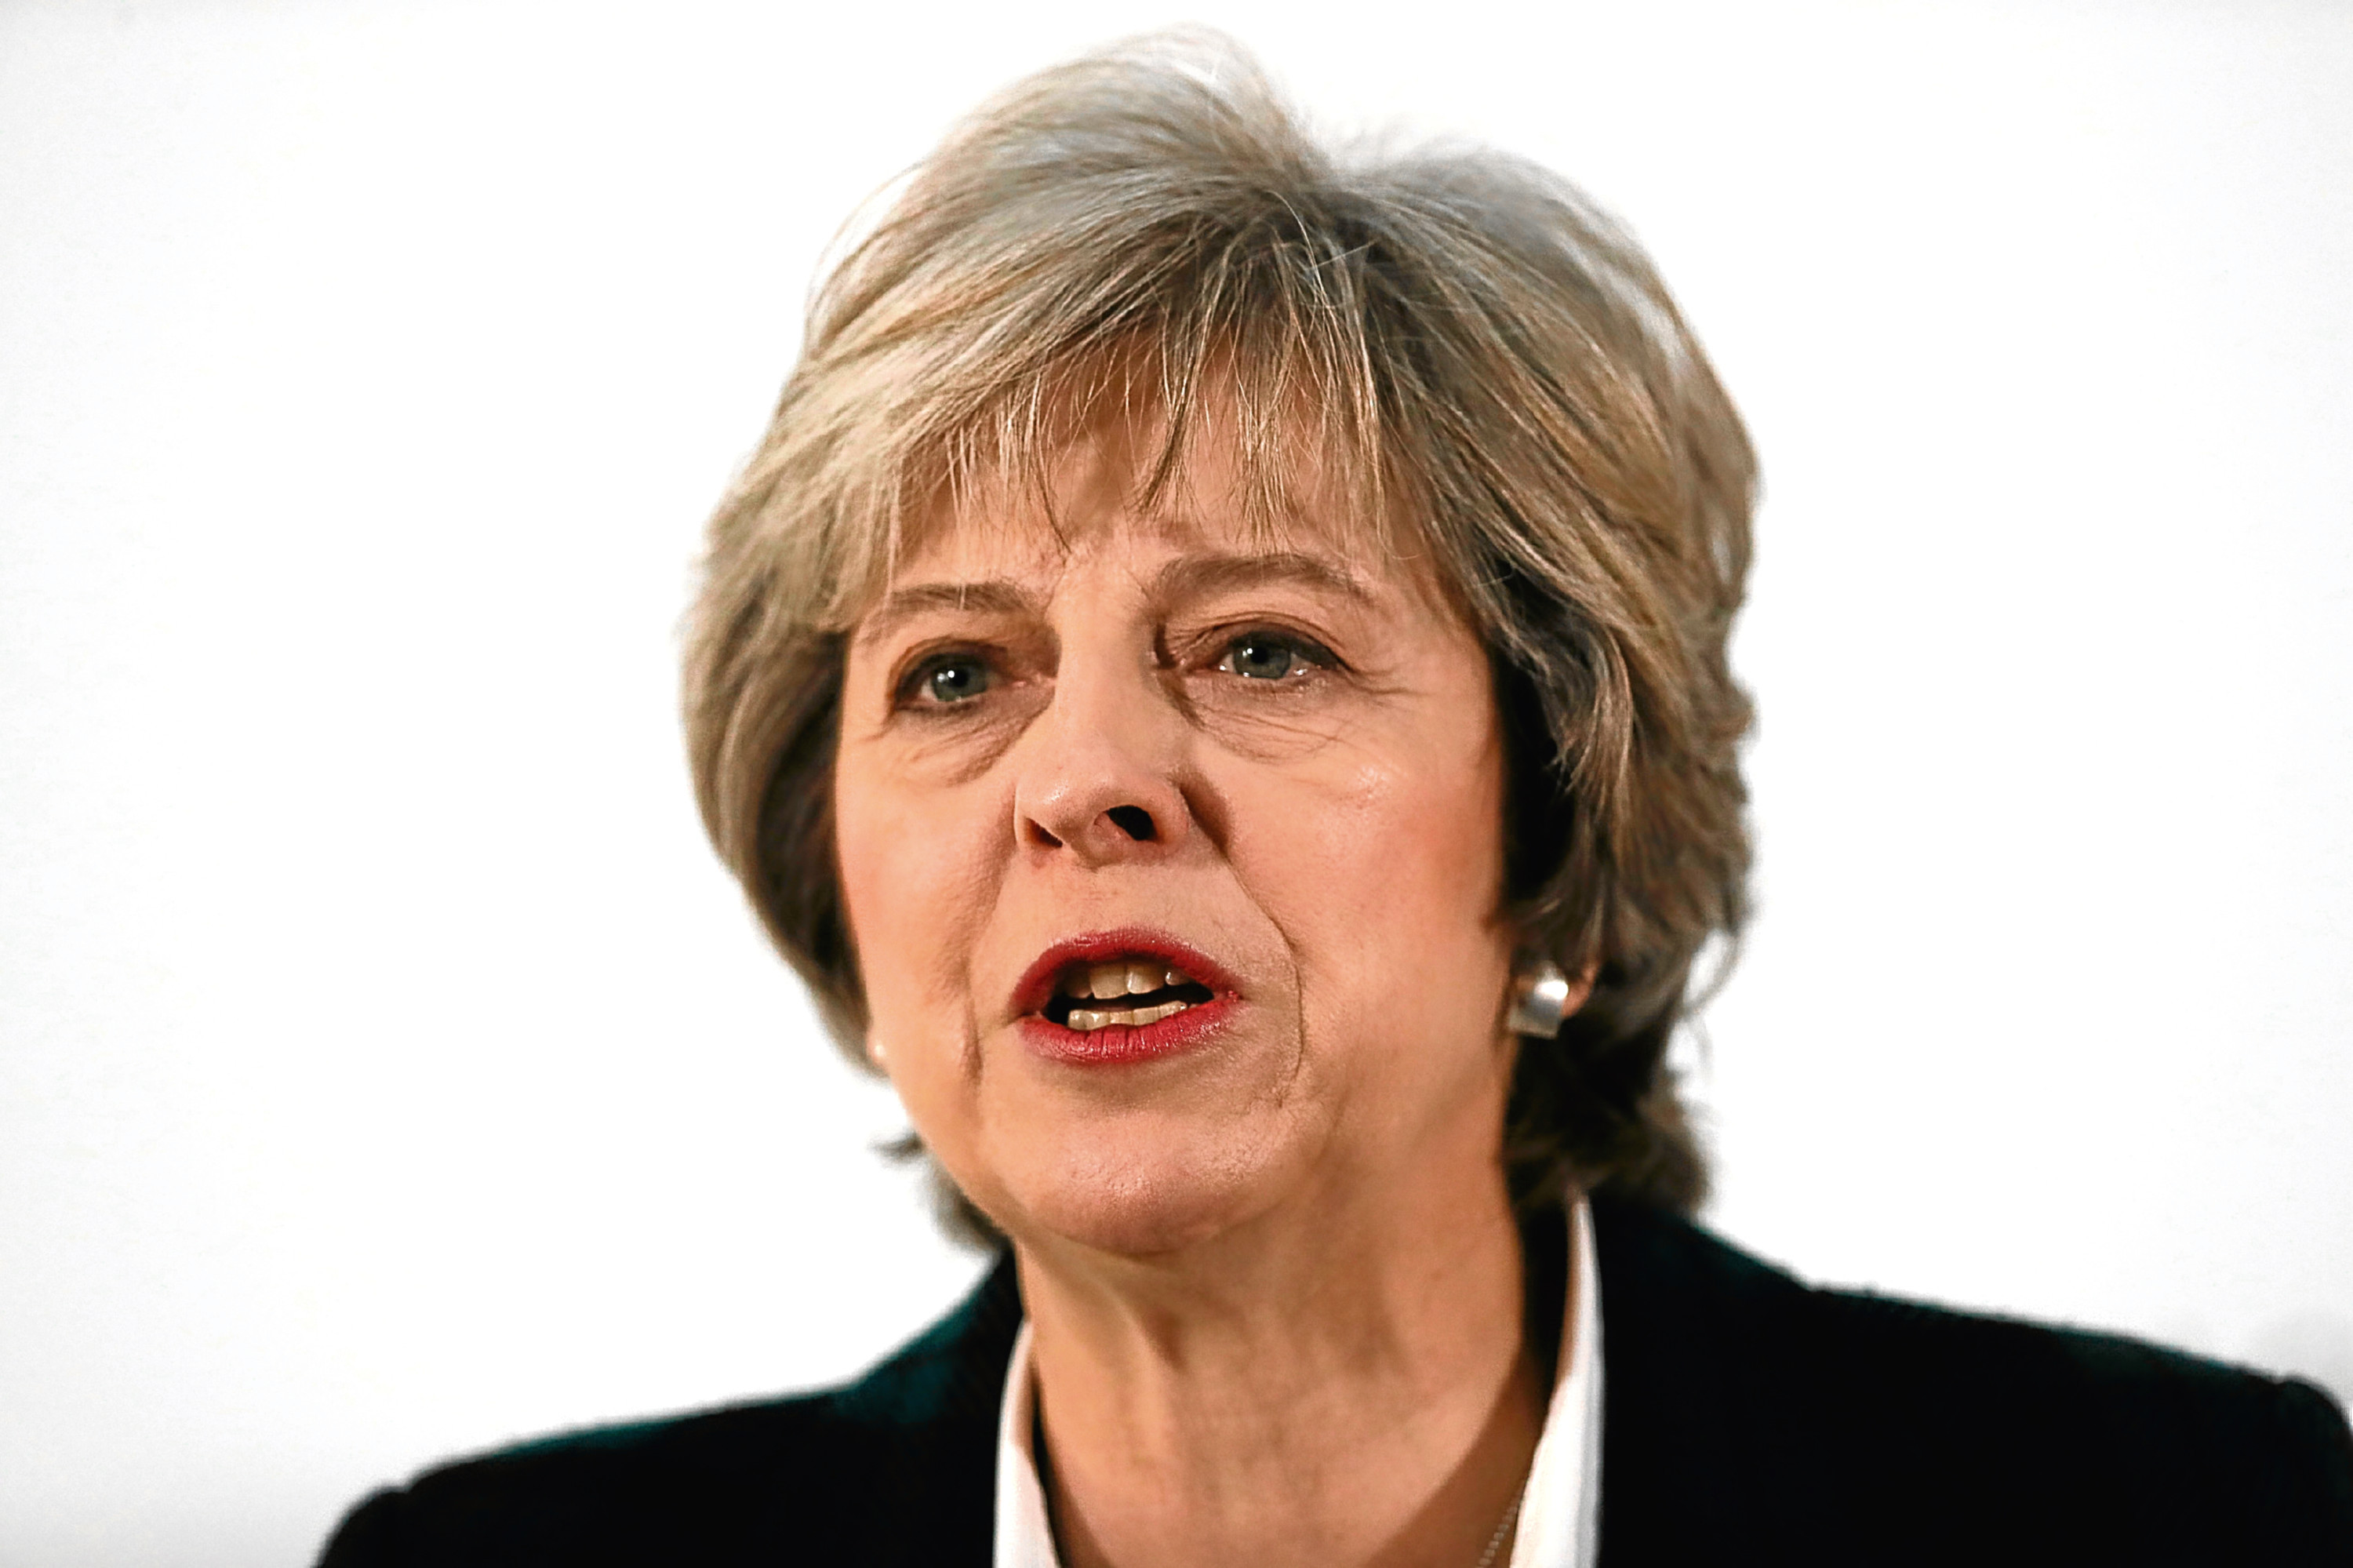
(1341, 1382)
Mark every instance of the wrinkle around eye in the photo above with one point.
(953, 743)
(1272, 720)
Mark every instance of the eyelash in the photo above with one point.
(1313, 656)
(912, 685)
(1309, 652)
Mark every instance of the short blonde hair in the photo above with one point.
(1482, 356)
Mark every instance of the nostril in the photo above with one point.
(1135, 821)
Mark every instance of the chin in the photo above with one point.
(1139, 1193)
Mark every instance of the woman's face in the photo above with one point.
(1173, 862)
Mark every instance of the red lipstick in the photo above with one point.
(1034, 1000)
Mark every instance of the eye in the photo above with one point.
(955, 678)
(1271, 656)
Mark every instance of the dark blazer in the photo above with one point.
(1747, 1419)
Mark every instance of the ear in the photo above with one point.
(876, 1054)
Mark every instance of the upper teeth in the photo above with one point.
(1125, 979)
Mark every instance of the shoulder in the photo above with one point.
(1742, 1403)
(896, 1466)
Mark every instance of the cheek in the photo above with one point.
(1426, 849)
(913, 886)
(1388, 878)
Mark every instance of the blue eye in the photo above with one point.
(1262, 656)
(955, 680)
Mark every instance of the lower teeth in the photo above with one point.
(1087, 1018)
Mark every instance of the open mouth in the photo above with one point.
(1132, 991)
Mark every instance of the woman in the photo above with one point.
(1217, 679)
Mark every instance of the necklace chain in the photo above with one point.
(1503, 1529)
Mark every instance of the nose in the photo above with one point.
(1098, 778)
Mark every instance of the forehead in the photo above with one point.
(1120, 496)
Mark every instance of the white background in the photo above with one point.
(386, 1069)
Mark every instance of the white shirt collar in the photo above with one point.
(1561, 1514)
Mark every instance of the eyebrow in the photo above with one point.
(1215, 574)
(991, 596)
(1193, 576)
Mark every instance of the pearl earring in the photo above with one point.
(1539, 998)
